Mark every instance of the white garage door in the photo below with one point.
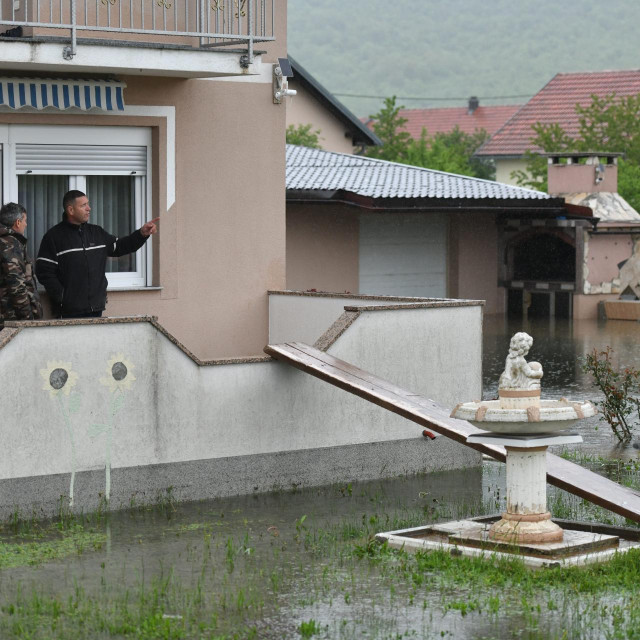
(403, 255)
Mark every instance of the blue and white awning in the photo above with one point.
(40, 93)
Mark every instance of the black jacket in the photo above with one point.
(71, 265)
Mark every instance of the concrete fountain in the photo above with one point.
(525, 425)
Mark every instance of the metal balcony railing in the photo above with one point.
(200, 23)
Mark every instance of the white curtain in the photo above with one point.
(112, 200)
(41, 196)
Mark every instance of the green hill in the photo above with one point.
(453, 49)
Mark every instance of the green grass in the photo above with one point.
(69, 542)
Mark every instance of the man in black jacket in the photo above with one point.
(73, 256)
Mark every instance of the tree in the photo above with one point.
(451, 151)
(445, 151)
(387, 125)
(607, 124)
(303, 136)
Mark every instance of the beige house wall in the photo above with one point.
(322, 253)
(603, 255)
(304, 109)
(322, 248)
(473, 260)
(221, 246)
(504, 168)
(227, 229)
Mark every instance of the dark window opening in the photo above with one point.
(544, 257)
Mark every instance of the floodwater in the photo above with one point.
(298, 564)
(560, 345)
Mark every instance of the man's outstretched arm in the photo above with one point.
(129, 244)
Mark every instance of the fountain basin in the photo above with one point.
(549, 417)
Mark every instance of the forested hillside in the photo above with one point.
(453, 49)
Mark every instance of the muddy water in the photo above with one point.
(263, 566)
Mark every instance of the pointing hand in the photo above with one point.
(149, 228)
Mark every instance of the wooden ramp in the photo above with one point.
(561, 473)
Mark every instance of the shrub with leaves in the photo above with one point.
(303, 135)
(621, 405)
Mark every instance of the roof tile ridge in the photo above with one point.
(586, 73)
(334, 153)
(423, 109)
(425, 169)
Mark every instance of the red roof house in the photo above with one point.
(556, 102)
(467, 119)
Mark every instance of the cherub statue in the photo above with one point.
(518, 374)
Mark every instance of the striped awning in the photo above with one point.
(40, 93)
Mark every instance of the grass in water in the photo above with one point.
(71, 541)
(301, 571)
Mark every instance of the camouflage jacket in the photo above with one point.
(18, 295)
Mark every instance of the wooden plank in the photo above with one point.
(561, 473)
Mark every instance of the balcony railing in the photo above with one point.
(199, 23)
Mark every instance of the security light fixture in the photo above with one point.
(281, 72)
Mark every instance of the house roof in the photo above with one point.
(608, 206)
(360, 134)
(327, 171)
(556, 102)
(446, 119)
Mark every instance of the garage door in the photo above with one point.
(403, 255)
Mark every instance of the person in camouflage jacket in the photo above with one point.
(18, 295)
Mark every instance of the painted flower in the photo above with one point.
(119, 374)
(58, 377)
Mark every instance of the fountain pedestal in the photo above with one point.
(526, 519)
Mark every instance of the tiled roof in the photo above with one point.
(446, 119)
(556, 103)
(313, 169)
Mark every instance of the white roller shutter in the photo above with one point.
(403, 255)
(74, 159)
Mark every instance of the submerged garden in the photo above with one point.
(304, 563)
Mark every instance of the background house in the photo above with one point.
(469, 119)
(554, 103)
(340, 130)
(369, 226)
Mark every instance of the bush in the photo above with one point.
(620, 407)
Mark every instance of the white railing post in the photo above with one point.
(202, 6)
(69, 52)
(250, 30)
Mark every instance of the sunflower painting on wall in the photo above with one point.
(118, 379)
(59, 379)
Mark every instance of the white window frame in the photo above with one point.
(12, 135)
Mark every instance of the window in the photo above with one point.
(110, 164)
